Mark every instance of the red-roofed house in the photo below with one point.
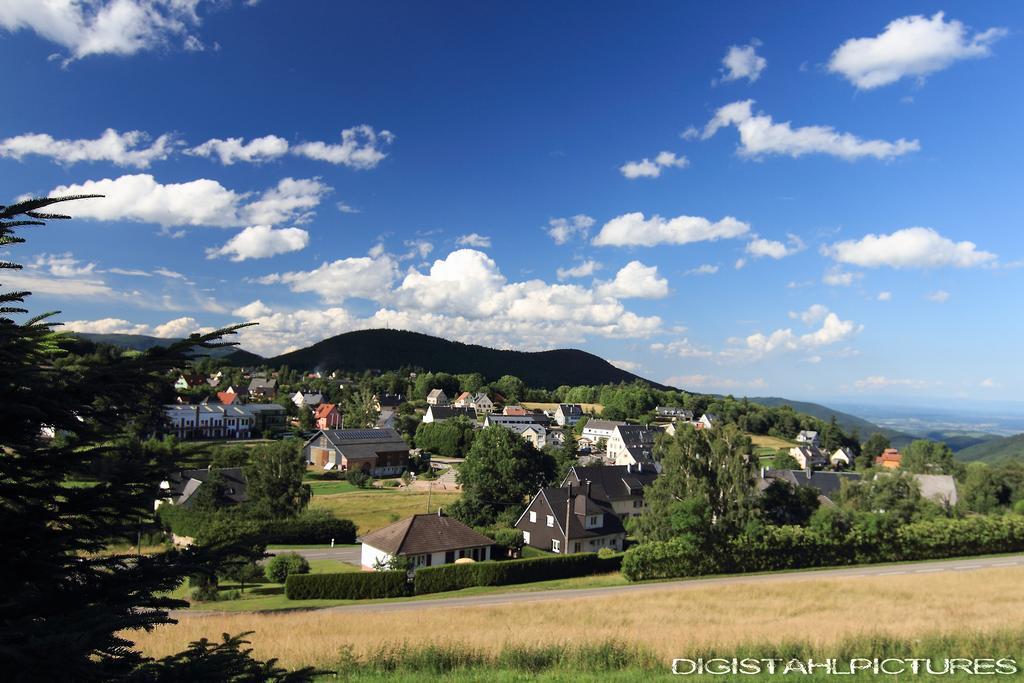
(227, 397)
(327, 416)
(890, 459)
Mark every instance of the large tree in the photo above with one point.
(274, 477)
(68, 609)
(500, 472)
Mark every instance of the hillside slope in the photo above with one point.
(394, 349)
(848, 422)
(994, 450)
(141, 342)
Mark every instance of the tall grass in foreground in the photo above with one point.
(615, 661)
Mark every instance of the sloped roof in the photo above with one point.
(570, 408)
(557, 498)
(323, 410)
(825, 483)
(262, 383)
(448, 412)
(940, 488)
(612, 482)
(184, 484)
(357, 444)
(434, 393)
(608, 425)
(425, 534)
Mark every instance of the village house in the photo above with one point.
(842, 458)
(180, 487)
(227, 397)
(568, 414)
(506, 420)
(387, 402)
(807, 437)
(378, 452)
(262, 387)
(569, 520)
(514, 410)
(534, 434)
(889, 459)
(808, 457)
(595, 429)
(442, 413)
(219, 421)
(307, 399)
(632, 444)
(241, 393)
(190, 382)
(327, 416)
(481, 403)
(620, 486)
(707, 421)
(463, 400)
(674, 413)
(436, 397)
(425, 541)
(826, 484)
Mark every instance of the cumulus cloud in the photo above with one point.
(761, 136)
(813, 314)
(913, 46)
(703, 269)
(635, 280)
(121, 149)
(585, 269)
(760, 247)
(909, 248)
(647, 168)
(474, 240)
(62, 265)
(713, 383)
(200, 202)
(360, 148)
(742, 61)
(884, 296)
(230, 150)
(627, 365)
(253, 309)
(179, 327)
(632, 229)
(940, 296)
(261, 241)
(562, 230)
(683, 348)
(96, 27)
(837, 277)
(365, 277)
(172, 329)
(833, 330)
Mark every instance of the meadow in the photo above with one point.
(372, 509)
(951, 610)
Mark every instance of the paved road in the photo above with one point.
(910, 568)
(347, 553)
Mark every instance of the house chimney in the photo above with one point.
(629, 468)
(588, 488)
(640, 467)
(809, 470)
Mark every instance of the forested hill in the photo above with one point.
(995, 450)
(849, 423)
(141, 342)
(395, 349)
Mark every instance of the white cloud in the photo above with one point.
(909, 248)
(988, 383)
(121, 149)
(740, 263)
(39, 282)
(883, 382)
(363, 277)
(562, 230)
(913, 46)
(760, 136)
(95, 27)
(230, 150)
(133, 272)
(254, 309)
(105, 326)
(360, 148)
(179, 327)
(743, 62)
(345, 208)
(200, 202)
(682, 348)
(62, 265)
(173, 274)
(420, 248)
(760, 247)
(813, 314)
(261, 241)
(632, 229)
(627, 365)
(635, 280)
(652, 169)
(885, 296)
(474, 240)
(713, 383)
(703, 269)
(585, 269)
(833, 330)
(940, 296)
(837, 277)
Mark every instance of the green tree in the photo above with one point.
(982, 490)
(929, 457)
(360, 409)
(784, 461)
(871, 449)
(499, 473)
(62, 596)
(274, 476)
(512, 388)
(783, 503)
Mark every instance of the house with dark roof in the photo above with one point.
(385, 401)
(378, 452)
(442, 413)
(307, 399)
(437, 397)
(426, 540)
(674, 413)
(569, 519)
(180, 487)
(262, 387)
(827, 484)
(568, 414)
(707, 421)
(809, 456)
(620, 486)
(632, 444)
(808, 437)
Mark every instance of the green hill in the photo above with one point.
(141, 342)
(394, 349)
(848, 422)
(994, 450)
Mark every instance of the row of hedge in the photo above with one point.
(794, 547)
(347, 586)
(450, 577)
(312, 526)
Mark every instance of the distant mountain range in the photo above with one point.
(994, 450)
(848, 422)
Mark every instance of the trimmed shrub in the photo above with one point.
(347, 586)
(280, 567)
(451, 577)
(309, 527)
(312, 526)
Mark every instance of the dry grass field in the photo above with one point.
(673, 622)
(770, 442)
(376, 508)
(589, 408)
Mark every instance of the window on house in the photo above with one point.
(556, 545)
(533, 516)
(551, 520)
(526, 537)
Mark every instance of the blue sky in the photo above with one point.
(821, 202)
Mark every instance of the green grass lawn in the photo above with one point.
(373, 509)
(530, 551)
